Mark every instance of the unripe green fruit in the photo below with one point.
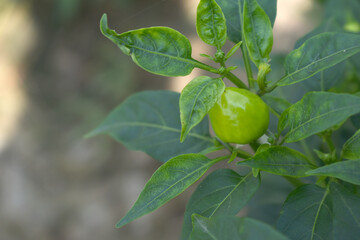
(239, 116)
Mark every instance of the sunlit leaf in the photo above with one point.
(232, 10)
(196, 99)
(257, 32)
(210, 23)
(159, 50)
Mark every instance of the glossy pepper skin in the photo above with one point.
(240, 116)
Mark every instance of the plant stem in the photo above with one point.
(204, 66)
(240, 153)
(247, 66)
(219, 159)
(294, 181)
(243, 154)
(327, 136)
(274, 112)
(330, 143)
(226, 145)
(234, 79)
(267, 90)
(264, 69)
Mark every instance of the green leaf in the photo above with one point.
(232, 10)
(233, 50)
(280, 161)
(325, 157)
(270, 7)
(159, 50)
(257, 32)
(324, 80)
(217, 147)
(207, 56)
(316, 112)
(342, 9)
(348, 171)
(149, 121)
(223, 192)
(232, 228)
(263, 147)
(317, 54)
(355, 62)
(210, 23)
(307, 214)
(196, 99)
(328, 25)
(311, 212)
(355, 120)
(351, 148)
(171, 179)
(279, 105)
(346, 213)
(233, 156)
(327, 79)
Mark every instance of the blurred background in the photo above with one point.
(59, 77)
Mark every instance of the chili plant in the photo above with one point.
(305, 147)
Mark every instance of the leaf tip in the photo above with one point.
(184, 133)
(104, 27)
(121, 223)
(182, 136)
(103, 23)
(104, 17)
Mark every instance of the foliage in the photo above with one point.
(173, 128)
